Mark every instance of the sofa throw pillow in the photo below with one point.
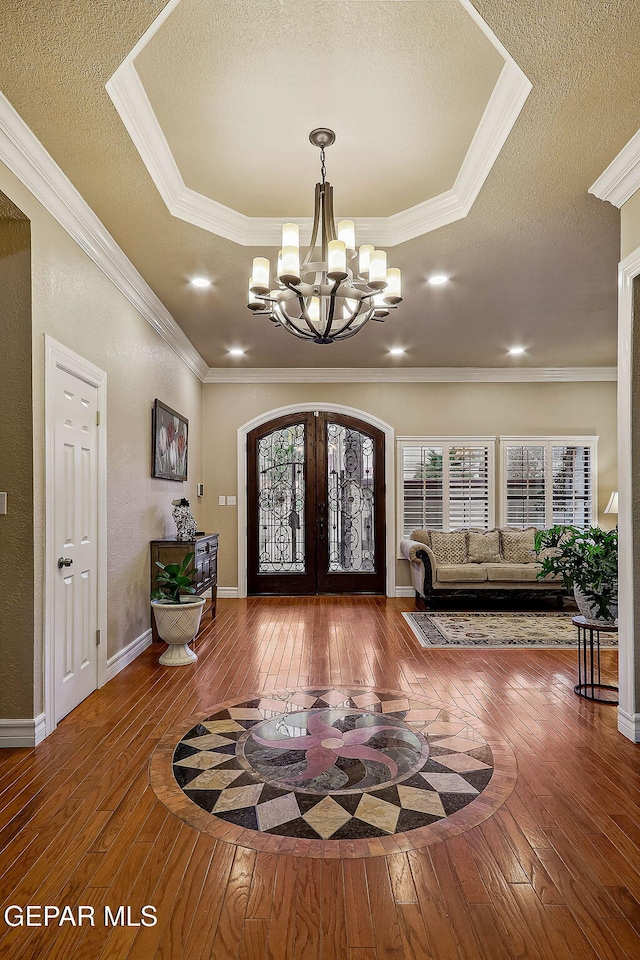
(518, 545)
(449, 547)
(484, 547)
(422, 536)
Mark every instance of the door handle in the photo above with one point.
(64, 562)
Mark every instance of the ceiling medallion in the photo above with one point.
(325, 300)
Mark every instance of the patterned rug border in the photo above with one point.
(430, 637)
(496, 793)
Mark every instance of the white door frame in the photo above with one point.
(629, 709)
(389, 480)
(57, 356)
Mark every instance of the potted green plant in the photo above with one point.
(587, 560)
(177, 613)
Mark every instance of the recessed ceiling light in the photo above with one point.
(516, 351)
(200, 282)
(437, 279)
(236, 352)
(396, 351)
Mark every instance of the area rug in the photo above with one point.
(542, 630)
(333, 772)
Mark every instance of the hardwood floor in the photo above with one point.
(554, 873)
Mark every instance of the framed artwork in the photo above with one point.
(170, 443)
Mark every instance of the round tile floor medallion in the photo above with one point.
(333, 772)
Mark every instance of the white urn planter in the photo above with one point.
(589, 610)
(177, 625)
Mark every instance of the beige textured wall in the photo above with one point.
(16, 470)
(412, 409)
(630, 226)
(77, 305)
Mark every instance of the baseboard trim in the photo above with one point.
(128, 654)
(22, 733)
(629, 725)
(405, 592)
(227, 593)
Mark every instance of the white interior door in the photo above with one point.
(75, 539)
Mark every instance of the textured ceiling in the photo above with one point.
(533, 263)
(236, 88)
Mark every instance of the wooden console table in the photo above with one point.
(205, 550)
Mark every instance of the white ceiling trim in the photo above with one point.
(134, 107)
(621, 179)
(25, 156)
(410, 375)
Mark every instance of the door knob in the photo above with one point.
(64, 562)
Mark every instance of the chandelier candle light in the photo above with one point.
(325, 300)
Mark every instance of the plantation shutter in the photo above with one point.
(422, 488)
(526, 485)
(469, 501)
(446, 485)
(572, 487)
(547, 482)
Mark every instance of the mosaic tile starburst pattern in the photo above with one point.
(330, 765)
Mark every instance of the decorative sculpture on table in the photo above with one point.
(185, 522)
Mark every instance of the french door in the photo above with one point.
(316, 506)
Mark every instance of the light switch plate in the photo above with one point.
(231, 501)
(222, 501)
(3, 503)
(200, 489)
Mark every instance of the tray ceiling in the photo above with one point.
(534, 261)
(236, 87)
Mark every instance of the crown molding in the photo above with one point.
(621, 179)
(500, 114)
(410, 375)
(24, 155)
(136, 112)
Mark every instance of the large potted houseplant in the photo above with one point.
(177, 613)
(587, 560)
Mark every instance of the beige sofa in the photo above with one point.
(472, 561)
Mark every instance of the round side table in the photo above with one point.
(589, 680)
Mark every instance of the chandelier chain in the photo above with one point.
(323, 166)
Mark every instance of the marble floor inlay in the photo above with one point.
(333, 765)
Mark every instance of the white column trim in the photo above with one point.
(628, 270)
(57, 355)
(389, 479)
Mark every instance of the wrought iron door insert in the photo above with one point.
(316, 506)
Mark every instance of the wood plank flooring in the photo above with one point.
(555, 873)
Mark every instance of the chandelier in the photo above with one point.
(332, 298)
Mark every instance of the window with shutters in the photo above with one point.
(445, 484)
(548, 480)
